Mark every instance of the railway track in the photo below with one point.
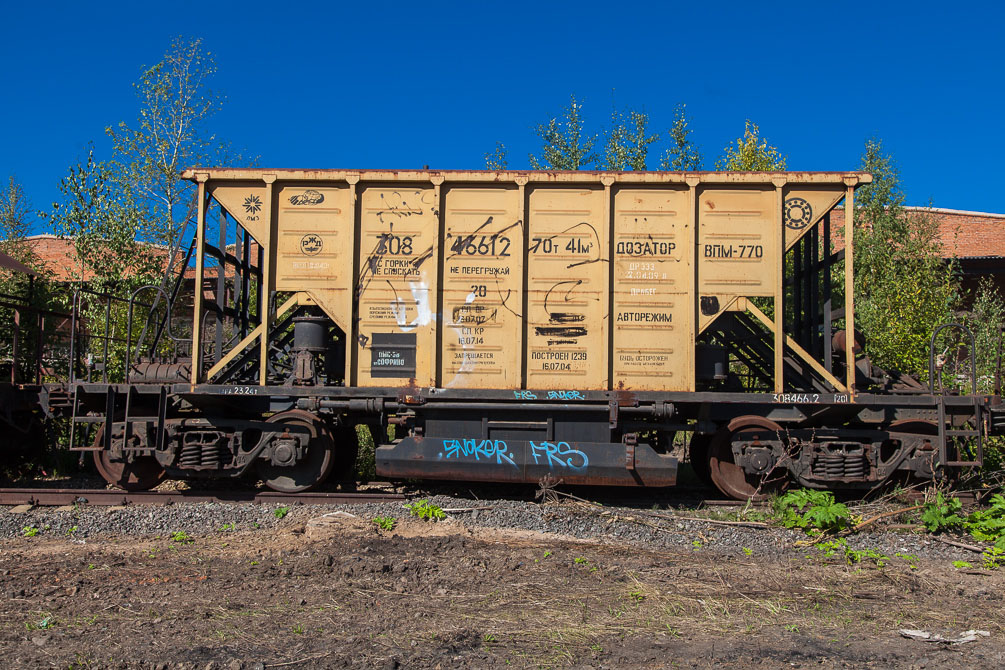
(111, 497)
(47, 497)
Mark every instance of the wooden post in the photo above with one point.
(200, 240)
(849, 284)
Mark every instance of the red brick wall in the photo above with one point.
(962, 233)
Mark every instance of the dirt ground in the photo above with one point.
(337, 592)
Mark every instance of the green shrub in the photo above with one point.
(813, 511)
(989, 525)
(366, 464)
(942, 514)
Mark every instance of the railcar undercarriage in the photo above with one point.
(745, 445)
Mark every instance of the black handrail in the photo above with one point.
(973, 359)
(129, 324)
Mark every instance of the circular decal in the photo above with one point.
(311, 244)
(798, 213)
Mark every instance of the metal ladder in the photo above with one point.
(127, 419)
(953, 440)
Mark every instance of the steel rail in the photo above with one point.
(106, 497)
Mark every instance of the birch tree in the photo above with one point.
(628, 141)
(681, 154)
(564, 143)
(170, 135)
(751, 153)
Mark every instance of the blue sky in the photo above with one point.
(402, 85)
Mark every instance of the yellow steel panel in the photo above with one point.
(396, 286)
(737, 250)
(245, 201)
(653, 288)
(805, 206)
(482, 288)
(314, 237)
(537, 318)
(567, 289)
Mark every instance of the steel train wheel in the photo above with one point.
(313, 468)
(142, 474)
(697, 451)
(730, 478)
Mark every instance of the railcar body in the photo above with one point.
(513, 326)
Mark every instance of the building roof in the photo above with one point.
(964, 234)
(9, 263)
(58, 255)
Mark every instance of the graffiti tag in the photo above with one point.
(558, 454)
(487, 449)
(566, 395)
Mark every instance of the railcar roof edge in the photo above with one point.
(801, 177)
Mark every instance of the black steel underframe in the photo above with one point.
(424, 395)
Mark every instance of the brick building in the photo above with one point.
(60, 259)
(975, 239)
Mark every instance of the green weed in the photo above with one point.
(989, 525)
(942, 514)
(281, 512)
(812, 511)
(385, 522)
(181, 537)
(29, 531)
(839, 547)
(424, 510)
(911, 559)
(994, 558)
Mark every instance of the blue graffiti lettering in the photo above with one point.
(479, 449)
(566, 395)
(560, 454)
(524, 395)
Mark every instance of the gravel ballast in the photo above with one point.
(663, 529)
